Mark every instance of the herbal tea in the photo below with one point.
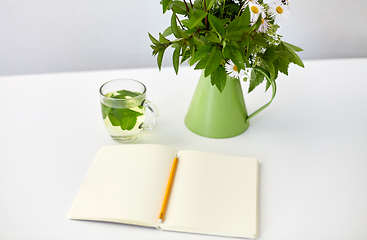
(124, 111)
(123, 122)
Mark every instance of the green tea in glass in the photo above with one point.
(123, 105)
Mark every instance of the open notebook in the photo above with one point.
(211, 193)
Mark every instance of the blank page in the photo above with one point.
(214, 194)
(126, 184)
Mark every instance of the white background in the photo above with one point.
(41, 36)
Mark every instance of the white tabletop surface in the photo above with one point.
(311, 144)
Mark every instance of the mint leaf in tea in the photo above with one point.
(120, 120)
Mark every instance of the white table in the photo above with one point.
(311, 144)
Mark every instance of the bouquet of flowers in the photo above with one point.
(234, 38)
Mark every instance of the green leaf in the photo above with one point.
(186, 23)
(219, 78)
(215, 58)
(160, 58)
(195, 17)
(155, 51)
(113, 120)
(232, 8)
(123, 117)
(154, 41)
(200, 54)
(192, 47)
(282, 62)
(226, 52)
(294, 48)
(166, 4)
(179, 7)
(123, 94)
(216, 24)
(209, 4)
(260, 40)
(176, 31)
(202, 63)
(129, 119)
(198, 41)
(270, 54)
(237, 58)
(295, 58)
(167, 32)
(185, 55)
(105, 110)
(244, 19)
(162, 39)
(176, 58)
(212, 37)
(118, 113)
(235, 35)
(269, 66)
(255, 80)
(232, 25)
(267, 59)
(128, 122)
(241, 47)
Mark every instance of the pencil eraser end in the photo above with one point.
(160, 221)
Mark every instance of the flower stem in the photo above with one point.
(179, 21)
(206, 17)
(187, 7)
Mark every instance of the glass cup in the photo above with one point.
(123, 105)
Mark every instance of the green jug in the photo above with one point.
(216, 114)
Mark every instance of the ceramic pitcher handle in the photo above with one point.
(155, 115)
(274, 87)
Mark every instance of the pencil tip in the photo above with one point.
(160, 221)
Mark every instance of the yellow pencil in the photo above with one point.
(168, 189)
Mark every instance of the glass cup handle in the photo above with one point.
(155, 115)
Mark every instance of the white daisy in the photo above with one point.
(279, 11)
(264, 26)
(232, 71)
(256, 9)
